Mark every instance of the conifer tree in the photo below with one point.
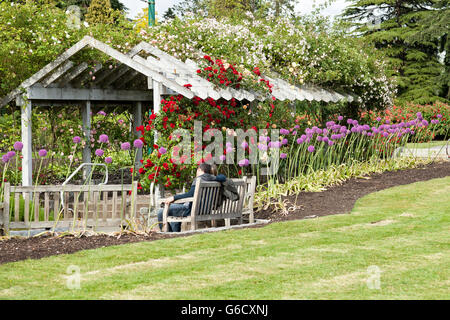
(391, 26)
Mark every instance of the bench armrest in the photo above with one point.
(184, 200)
(166, 210)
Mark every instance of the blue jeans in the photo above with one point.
(175, 210)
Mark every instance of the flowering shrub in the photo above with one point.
(438, 114)
(300, 52)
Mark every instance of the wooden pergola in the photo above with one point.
(142, 76)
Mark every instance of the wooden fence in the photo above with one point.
(66, 206)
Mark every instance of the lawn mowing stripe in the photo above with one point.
(405, 238)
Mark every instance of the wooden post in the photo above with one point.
(159, 189)
(27, 160)
(137, 121)
(6, 203)
(86, 115)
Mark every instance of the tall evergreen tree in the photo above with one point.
(390, 25)
(99, 11)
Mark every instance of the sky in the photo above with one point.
(305, 6)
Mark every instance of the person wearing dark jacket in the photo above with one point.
(204, 172)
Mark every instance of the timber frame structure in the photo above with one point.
(136, 80)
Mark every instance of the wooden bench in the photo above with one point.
(205, 197)
(67, 206)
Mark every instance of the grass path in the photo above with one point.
(403, 231)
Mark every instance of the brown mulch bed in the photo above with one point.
(335, 200)
(341, 198)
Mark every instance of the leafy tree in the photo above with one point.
(394, 27)
(84, 5)
(100, 11)
(228, 8)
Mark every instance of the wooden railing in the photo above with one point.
(67, 206)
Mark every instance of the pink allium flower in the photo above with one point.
(76, 139)
(311, 148)
(108, 160)
(103, 138)
(125, 146)
(99, 152)
(162, 150)
(243, 163)
(18, 146)
(138, 143)
(42, 153)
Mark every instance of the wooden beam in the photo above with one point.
(139, 67)
(27, 155)
(73, 94)
(66, 66)
(44, 71)
(128, 78)
(72, 75)
(87, 76)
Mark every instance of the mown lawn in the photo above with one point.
(424, 145)
(403, 231)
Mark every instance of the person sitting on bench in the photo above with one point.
(205, 172)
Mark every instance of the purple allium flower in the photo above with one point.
(103, 138)
(330, 142)
(300, 140)
(419, 115)
(162, 150)
(138, 143)
(99, 152)
(262, 146)
(125, 146)
(11, 154)
(229, 150)
(439, 115)
(108, 160)
(284, 131)
(223, 157)
(378, 119)
(5, 158)
(243, 163)
(319, 138)
(387, 121)
(102, 113)
(18, 146)
(434, 121)
(340, 118)
(349, 121)
(385, 134)
(283, 156)
(274, 144)
(42, 153)
(284, 141)
(76, 139)
(297, 127)
(311, 148)
(262, 139)
(425, 123)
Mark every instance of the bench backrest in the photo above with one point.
(43, 206)
(206, 197)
